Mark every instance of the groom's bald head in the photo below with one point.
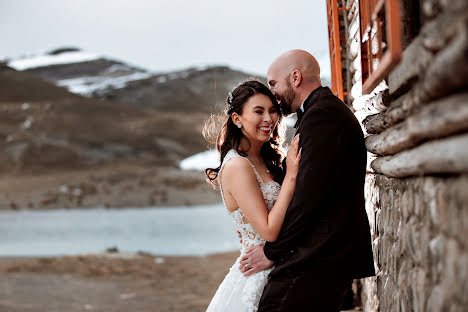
(300, 60)
(292, 77)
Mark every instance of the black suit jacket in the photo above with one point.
(326, 229)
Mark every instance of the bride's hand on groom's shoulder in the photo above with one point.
(254, 261)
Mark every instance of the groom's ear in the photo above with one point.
(296, 77)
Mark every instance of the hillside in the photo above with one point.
(141, 119)
(81, 130)
(59, 149)
(45, 126)
(192, 89)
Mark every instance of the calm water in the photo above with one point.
(196, 230)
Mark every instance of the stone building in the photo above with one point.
(402, 66)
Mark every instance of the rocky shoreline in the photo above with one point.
(112, 186)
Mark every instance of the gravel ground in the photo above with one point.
(111, 283)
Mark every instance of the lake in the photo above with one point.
(195, 230)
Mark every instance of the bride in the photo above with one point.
(249, 177)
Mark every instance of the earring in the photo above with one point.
(239, 126)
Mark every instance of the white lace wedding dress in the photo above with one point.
(238, 293)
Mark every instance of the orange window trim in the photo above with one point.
(370, 17)
(335, 52)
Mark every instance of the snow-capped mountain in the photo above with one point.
(80, 72)
(94, 75)
(128, 114)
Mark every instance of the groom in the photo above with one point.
(324, 242)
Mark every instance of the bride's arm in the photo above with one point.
(240, 181)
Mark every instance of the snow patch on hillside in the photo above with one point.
(201, 161)
(47, 60)
(88, 85)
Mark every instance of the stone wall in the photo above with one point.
(419, 227)
(416, 124)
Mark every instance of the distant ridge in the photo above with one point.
(63, 50)
(92, 75)
(157, 120)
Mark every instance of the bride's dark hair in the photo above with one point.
(229, 137)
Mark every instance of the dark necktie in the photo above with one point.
(299, 114)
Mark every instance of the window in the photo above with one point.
(334, 40)
(337, 29)
(380, 40)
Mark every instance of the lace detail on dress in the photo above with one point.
(238, 293)
(270, 191)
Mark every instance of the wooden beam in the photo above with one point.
(447, 156)
(439, 119)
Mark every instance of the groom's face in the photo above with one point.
(286, 98)
(283, 92)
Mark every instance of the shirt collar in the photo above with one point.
(311, 98)
(306, 104)
(302, 106)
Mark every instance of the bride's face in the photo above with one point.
(259, 118)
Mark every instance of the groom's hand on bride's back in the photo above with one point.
(254, 261)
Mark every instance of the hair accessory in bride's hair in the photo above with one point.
(229, 100)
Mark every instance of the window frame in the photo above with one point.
(335, 49)
(371, 18)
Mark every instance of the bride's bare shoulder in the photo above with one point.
(237, 163)
(237, 167)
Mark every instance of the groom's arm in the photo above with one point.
(321, 136)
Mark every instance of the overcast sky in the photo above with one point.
(169, 35)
